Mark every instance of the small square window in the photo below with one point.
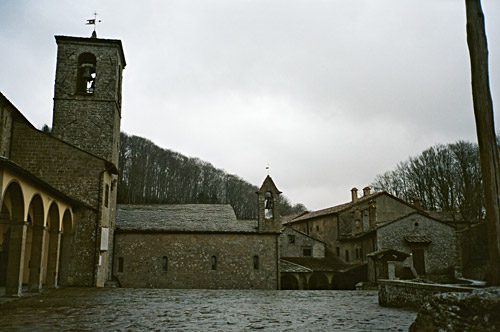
(291, 239)
(307, 252)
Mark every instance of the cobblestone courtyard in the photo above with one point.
(90, 309)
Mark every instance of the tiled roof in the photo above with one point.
(181, 218)
(327, 264)
(286, 266)
(286, 219)
(388, 255)
(338, 208)
(415, 238)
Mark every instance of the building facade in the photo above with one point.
(59, 189)
(199, 245)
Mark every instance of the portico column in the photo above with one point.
(35, 266)
(15, 265)
(53, 259)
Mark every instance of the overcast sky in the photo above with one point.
(328, 93)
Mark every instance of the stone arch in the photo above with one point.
(66, 248)
(289, 281)
(318, 280)
(34, 244)
(86, 73)
(52, 248)
(13, 212)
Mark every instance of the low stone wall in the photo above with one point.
(410, 294)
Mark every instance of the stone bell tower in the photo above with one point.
(269, 207)
(87, 94)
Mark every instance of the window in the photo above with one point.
(357, 253)
(338, 251)
(120, 264)
(164, 264)
(291, 239)
(106, 196)
(255, 262)
(317, 228)
(86, 74)
(347, 255)
(214, 263)
(307, 252)
(268, 205)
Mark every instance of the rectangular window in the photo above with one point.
(357, 253)
(120, 264)
(347, 255)
(106, 195)
(214, 263)
(307, 252)
(338, 251)
(291, 239)
(164, 263)
(256, 262)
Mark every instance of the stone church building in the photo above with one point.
(199, 245)
(58, 190)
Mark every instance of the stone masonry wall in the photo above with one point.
(91, 122)
(302, 241)
(440, 254)
(408, 294)
(189, 260)
(71, 171)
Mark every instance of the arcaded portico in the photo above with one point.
(36, 223)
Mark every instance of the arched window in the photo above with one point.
(86, 73)
(214, 263)
(164, 264)
(255, 262)
(120, 264)
(268, 205)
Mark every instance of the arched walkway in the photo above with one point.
(289, 281)
(318, 280)
(30, 237)
(66, 248)
(13, 202)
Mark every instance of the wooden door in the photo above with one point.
(418, 261)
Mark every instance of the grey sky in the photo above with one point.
(329, 93)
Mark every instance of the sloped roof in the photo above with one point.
(181, 218)
(342, 207)
(388, 255)
(423, 214)
(417, 239)
(326, 264)
(289, 218)
(286, 266)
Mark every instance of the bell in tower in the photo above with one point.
(269, 207)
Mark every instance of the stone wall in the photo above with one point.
(301, 241)
(89, 121)
(440, 255)
(189, 260)
(409, 294)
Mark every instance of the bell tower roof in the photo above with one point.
(268, 184)
(94, 41)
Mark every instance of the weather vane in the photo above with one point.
(93, 21)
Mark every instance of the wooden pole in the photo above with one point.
(485, 127)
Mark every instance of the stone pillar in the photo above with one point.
(65, 254)
(391, 271)
(37, 245)
(15, 265)
(53, 259)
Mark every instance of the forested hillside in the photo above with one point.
(150, 174)
(444, 177)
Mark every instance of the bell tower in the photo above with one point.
(87, 94)
(269, 207)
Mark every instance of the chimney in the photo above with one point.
(366, 191)
(417, 203)
(354, 194)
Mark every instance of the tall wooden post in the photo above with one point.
(483, 112)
